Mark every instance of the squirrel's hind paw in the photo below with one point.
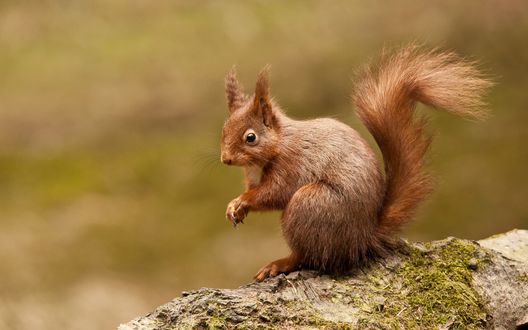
(274, 268)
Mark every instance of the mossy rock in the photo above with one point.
(448, 284)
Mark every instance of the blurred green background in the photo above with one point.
(111, 191)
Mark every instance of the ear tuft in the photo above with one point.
(262, 101)
(234, 92)
(262, 85)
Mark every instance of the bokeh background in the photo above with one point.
(112, 195)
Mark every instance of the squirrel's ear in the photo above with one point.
(234, 93)
(262, 101)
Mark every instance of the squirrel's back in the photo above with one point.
(325, 149)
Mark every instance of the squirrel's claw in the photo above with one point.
(236, 222)
(233, 218)
(236, 212)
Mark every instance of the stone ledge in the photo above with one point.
(446, 284)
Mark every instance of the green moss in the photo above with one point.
(437, 289)
(522, 277)
(319, 323)
(215, 322)
(431, 288)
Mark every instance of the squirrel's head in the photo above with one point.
(251, 132)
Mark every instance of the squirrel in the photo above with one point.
(339, 208)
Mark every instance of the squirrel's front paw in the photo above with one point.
(237, 211)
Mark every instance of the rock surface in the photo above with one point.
(447, 284)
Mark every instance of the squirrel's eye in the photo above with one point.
(251, 137)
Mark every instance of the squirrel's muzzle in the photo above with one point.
(226, 160)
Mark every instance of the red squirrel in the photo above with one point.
(339, 207)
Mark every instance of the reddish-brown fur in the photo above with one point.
(339, 209)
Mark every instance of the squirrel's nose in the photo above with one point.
(226, 160)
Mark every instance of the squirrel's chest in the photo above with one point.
(253, 175)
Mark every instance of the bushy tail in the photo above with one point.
(385, 97)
